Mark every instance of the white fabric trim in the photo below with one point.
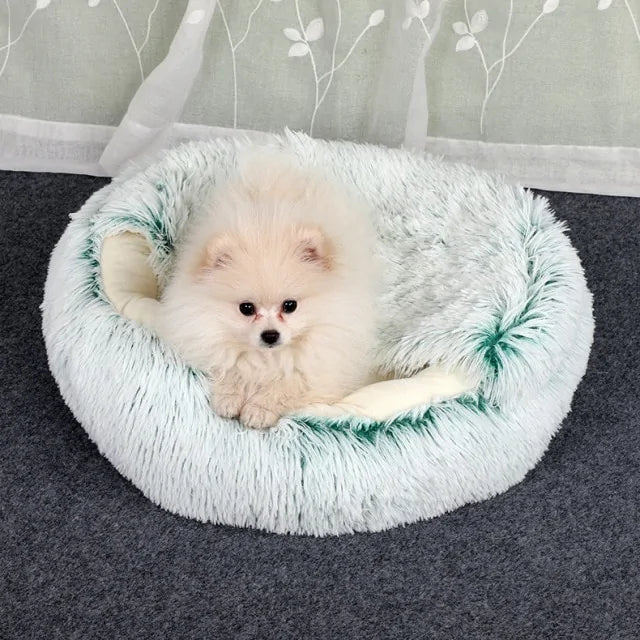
(28, 144)
(613, 171)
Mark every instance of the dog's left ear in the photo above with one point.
(315, 248)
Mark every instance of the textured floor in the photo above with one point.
(84, 555)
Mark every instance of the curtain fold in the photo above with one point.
(160, 99)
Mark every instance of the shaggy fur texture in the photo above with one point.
(274, 234)
(477, 274)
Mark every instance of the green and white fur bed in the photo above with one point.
(487, 324)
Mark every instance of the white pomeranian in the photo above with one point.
(273, 293)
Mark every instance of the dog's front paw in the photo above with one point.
(257, 417)
(227, 405)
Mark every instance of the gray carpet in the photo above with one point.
(84, 555)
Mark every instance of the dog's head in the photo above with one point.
(267, 284)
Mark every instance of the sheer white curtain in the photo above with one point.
(545, 92)
(152, 120)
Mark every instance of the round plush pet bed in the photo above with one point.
(487, 326)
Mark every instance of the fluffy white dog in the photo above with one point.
(273, 293)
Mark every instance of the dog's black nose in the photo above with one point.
(270, 337)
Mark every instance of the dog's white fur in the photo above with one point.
(274, 233)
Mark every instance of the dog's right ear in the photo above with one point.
(218, 253)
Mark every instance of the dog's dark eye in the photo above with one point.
(289, 306)
(247, 308)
